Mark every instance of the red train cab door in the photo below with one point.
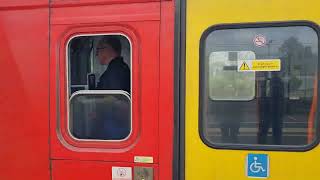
(104, 129)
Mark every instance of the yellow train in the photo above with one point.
(250, 73)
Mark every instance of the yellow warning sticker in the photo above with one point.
(244, 67)
(143, 159)
(259, 65)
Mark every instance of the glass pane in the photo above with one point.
(99, 87)
(99, 62)
(225, 82)
(100, 116)
(264, 106)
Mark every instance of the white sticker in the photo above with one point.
(121, 173)
(260, 40)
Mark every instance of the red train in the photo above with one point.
(47, 51)
(159, 89)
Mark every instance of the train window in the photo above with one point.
(99, 87)
(258, 86)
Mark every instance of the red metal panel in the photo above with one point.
(144, 35)
(22, 4)
(24, 94)
(106, 13)
(152, 88)
(145, 93)
(166, 96)
(24, 99)
(60, 3)
(77, 170)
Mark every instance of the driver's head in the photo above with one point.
(107, 49)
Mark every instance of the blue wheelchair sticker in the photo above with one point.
(257, 165)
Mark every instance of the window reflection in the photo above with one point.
(280, 111)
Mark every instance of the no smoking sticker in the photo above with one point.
(121, 173)
(260, 40)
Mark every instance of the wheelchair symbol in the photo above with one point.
(256, 167)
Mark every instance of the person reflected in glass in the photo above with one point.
(229, 122)
(272, 110)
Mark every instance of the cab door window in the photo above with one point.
(99, 87)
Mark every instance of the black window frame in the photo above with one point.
(202, 88)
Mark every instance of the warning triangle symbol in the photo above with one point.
(244, 67)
